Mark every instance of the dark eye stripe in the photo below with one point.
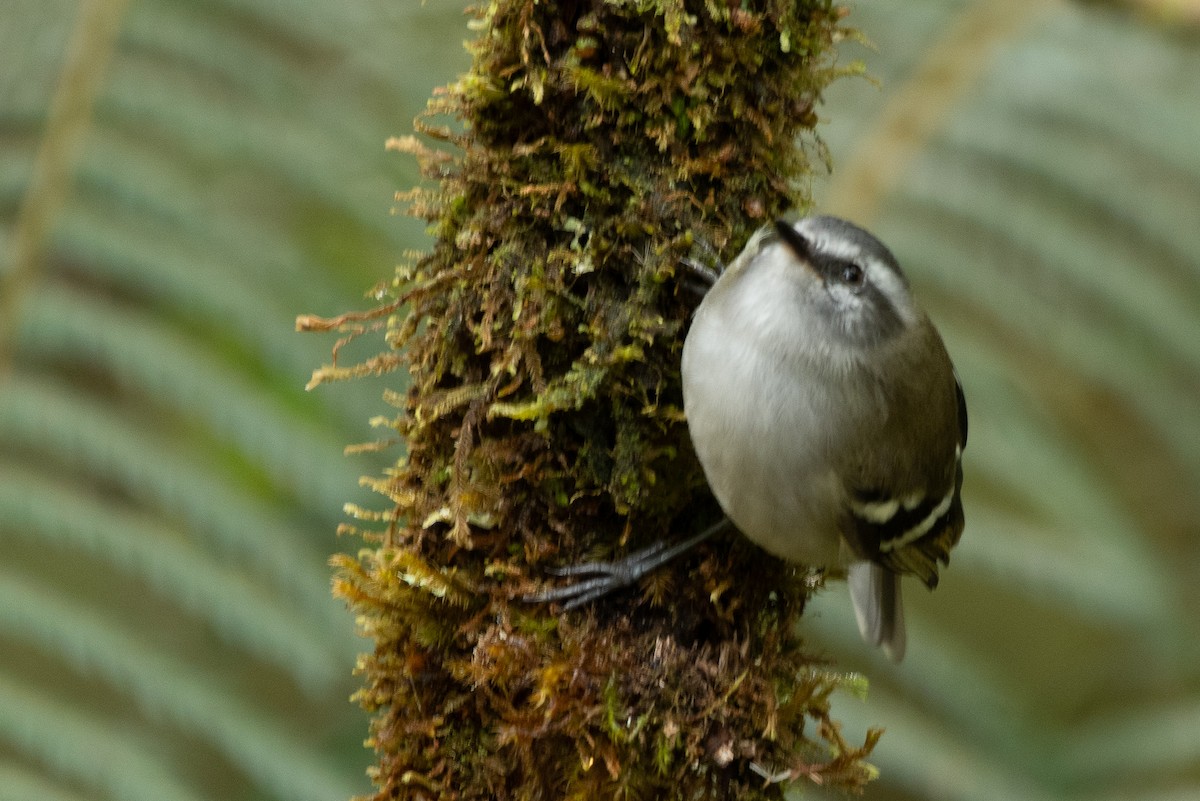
(887, 320)
(843, 271)
(832, 268)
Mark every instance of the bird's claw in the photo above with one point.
(605, 577)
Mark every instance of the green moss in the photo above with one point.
(600, 143)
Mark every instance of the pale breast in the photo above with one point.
(763, 453)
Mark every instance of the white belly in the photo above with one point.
(763, 454)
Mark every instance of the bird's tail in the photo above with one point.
(875, 591)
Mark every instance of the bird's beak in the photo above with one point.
(797, 243)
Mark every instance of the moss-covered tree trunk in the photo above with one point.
(602, 142)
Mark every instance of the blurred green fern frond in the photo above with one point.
(177, 181)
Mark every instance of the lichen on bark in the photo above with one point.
(591, 147)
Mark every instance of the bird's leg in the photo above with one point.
(605, 577)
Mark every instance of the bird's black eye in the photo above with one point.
(852, 274)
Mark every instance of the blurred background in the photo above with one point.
(179, 180)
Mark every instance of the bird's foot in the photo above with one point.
(597, 579)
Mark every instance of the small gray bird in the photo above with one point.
(827, 415)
